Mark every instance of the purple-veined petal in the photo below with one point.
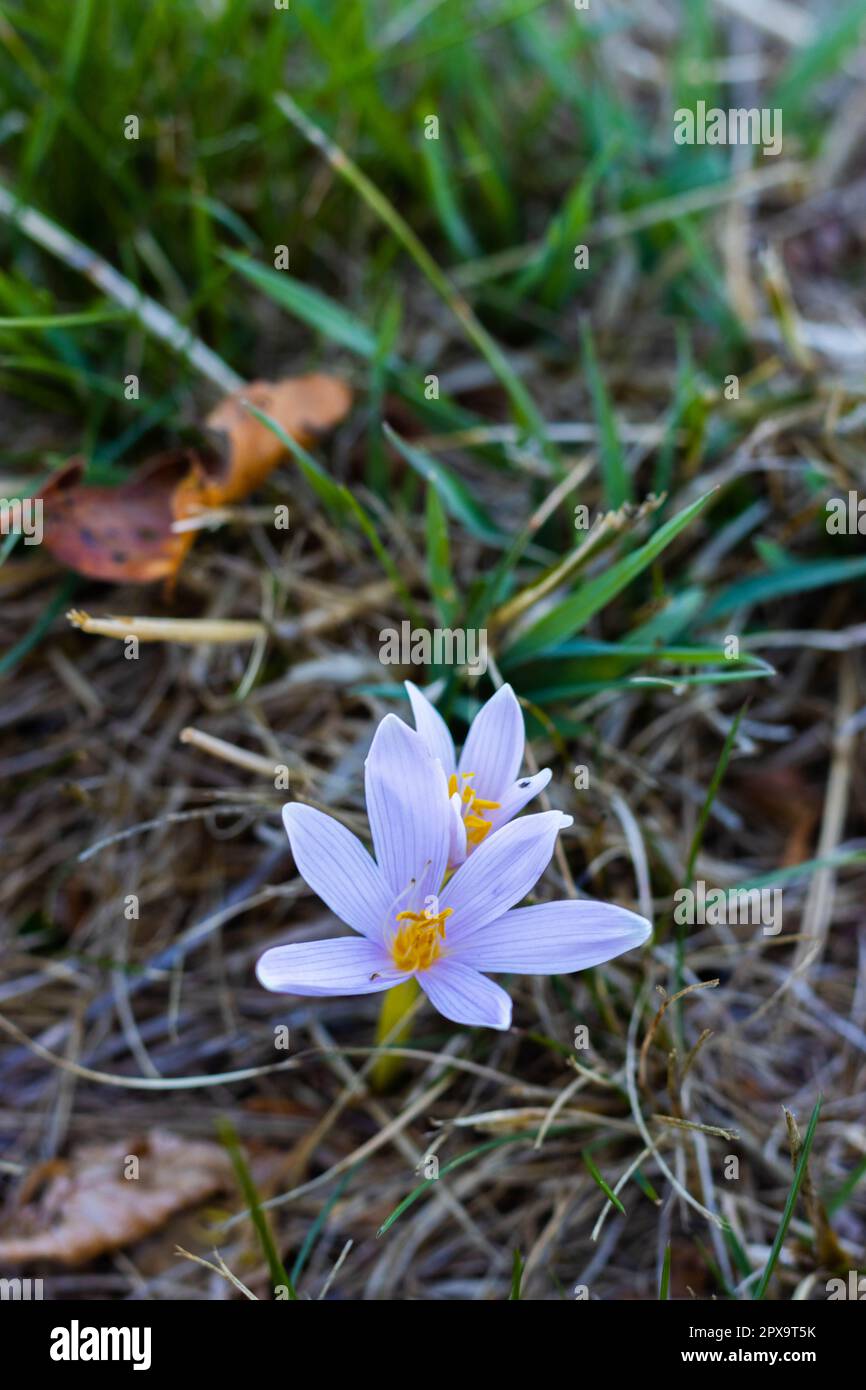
(432, 728)
(464, 996)
(516, 797)
(501, 871)
(340, 965)
(407, 803)
(338, 868)
(553, 938)
(494, 746)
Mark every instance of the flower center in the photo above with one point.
(472, 807)
(416, 945)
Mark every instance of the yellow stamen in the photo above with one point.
(477, 825)
(416, 946)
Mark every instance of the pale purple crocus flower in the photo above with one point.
(483, 784)
(410, 922)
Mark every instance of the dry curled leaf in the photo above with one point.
(304, 407)
(120, 534)
(77, 1209)
(124, 534)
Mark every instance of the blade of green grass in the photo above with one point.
(340, 500)
(525, 411)
(617, 484)
(312, 307)
(441, 181)
(439, 572)
(574, 613)
(458, 1162)
(780, 583)
(665, 1283)
(599, 1180)
(785, 1222)
(453, 493)
(321, 1221)
(376, 471)
(738, 1254)
(16, 654)
(712, 791)
(152, 316)
(278, 1274)
(83, 319)
(841, 1195)
(834, 40)
(338, 325)
(694, 850)
(805, 869)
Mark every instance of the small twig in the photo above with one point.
(651, 1031)
(634, 1102)
(609, 526)
(221, 1268)
(196, 630)
(335, 1271)
(687, 1066)
(229, 752)
(692, 1124)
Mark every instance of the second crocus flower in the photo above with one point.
(484, 785)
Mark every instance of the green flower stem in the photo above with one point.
(396, 1004)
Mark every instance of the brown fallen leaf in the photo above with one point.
(87, 1206)
(120, 534)
(305, 407)
(124, 534)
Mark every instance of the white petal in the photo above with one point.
(408, 807)
(494, 745)
(464, 996)
(340, 965)
(338, 868)
(432, 728)
(500, 872)
(458, 846)
(553, 938)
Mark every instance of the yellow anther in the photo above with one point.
(416, 946)
(477, 825)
